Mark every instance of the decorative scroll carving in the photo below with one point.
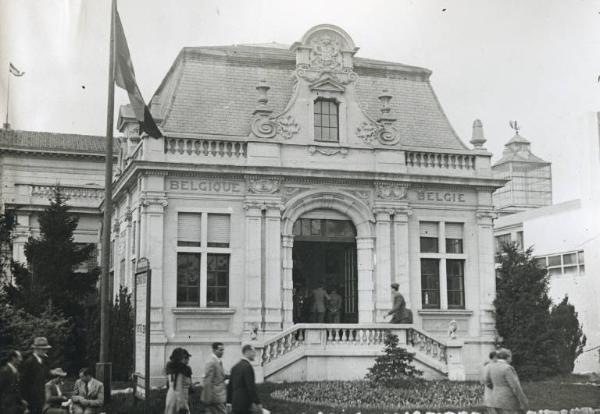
(386, 191)
(265, 127)
(316, 77)
(371, 133)
(264, 185)
(363, 195)
(328, 150)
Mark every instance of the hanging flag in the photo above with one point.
(125, 79)
(13, 70)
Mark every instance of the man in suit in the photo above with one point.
(241, 390)
(35, 373)
(507, 394)
(10, 394)
(334, 306)
(213, 390)
(88, 393)
(317, 310)
(399, 312)
(487, 391)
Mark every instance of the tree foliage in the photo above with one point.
(395, 367)
(569, 335)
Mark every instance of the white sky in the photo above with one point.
(536, 61)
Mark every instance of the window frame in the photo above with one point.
(558, 270)
(336, 104)
(204, 251)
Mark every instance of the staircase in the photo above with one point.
(309, 352)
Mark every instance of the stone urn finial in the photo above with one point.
(385, 99)
(478, 139)
(262, 89)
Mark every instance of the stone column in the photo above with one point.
(153, 211)
(364, 253)
(401, 253)
(21, 235)
(487, 275)
(273, 285)
(287, 245)
(253, 288)
(383, 266)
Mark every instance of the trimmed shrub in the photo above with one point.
(394, 368)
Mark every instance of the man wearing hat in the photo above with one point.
(34, 377)
(399, 312)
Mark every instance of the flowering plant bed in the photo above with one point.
(418, 394)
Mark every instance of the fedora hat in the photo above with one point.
(57, 372)
(40, 343)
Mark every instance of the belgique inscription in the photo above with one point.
(205, 186)
(448, 197)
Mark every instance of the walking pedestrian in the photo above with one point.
(487, 390)
(11, 401)
(507, 394)
(179, 379)
(241, 390)
(213, 392)
(35, 374)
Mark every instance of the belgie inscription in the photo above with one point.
(205, 186)
(441, 196)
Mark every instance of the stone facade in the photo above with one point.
(241, 147)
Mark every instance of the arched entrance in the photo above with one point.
(353, 217)
(325, 273)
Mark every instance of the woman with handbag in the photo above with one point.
(179, 379)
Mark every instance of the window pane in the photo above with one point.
(317, 133)
(333, 134)
(554, 261)
(454, 230)
(541, 261)
(332, 108)
(325, 108)
(317, 120)
(218, 230)
(428, 229)
(570, 259)
(454, 246)
(430, 283)
(456, 286)
(318, 107)
(429, 245)
(581, 259)
(188, 279)
(555, 271)
(189, 229)
(570, 270)
(333, 120)
(217, 286)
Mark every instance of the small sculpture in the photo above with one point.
(254, 333)
(452, 328)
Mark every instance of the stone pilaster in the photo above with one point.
(364, 252)
(153, 205)
(487, 277)
(287, 244)
(253, 277)
(401, 253)
(21, 235)
(273, 282)
(383, 266)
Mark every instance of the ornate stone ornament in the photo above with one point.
(325, 53)
(371, 133)
(263, 185)
(328, 151)
(363, 195)
(385, 191)
(285, 127)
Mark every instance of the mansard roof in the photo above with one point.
(212, 91)
(53, 143)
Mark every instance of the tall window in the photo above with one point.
(442, 265)
(326, 121)
(203, 259)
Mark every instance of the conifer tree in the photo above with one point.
(523, 313)
(395, 367)
(569, 333)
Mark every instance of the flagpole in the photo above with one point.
(6, 124)
(104, 367)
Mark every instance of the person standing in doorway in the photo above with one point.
(241, 390)
(317, 310)
(10, 394)
(334, 306)
(213, 391)
(35, 373)
(507, 395)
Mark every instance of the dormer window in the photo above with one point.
(326, 120)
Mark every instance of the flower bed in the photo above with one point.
(439, 395)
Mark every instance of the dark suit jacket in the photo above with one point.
(241, 390)
(33, 383)
(10, 394)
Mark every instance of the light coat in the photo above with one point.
(91, 401)
(213, 390)
(507, 393)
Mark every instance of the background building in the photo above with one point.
(566, 240)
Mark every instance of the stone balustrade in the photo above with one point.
(440, 161)
(206, 147)
(71, 192)
(426, 345)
